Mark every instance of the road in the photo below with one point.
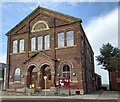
(57, 100)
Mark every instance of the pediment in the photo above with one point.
(52, 18)
(38, 56)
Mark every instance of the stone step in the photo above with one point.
(45, 90)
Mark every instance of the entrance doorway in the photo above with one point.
(32, 76)
(46, 71)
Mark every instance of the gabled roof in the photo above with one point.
(74, 19)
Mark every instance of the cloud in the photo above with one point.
(73, 3)
(101, 30)
(2, 53)
(60, 1)
(44, 4)
(2, 58)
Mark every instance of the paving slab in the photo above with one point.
(111, 95)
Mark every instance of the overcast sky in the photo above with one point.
(100, 22)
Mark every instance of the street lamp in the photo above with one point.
(45, 78)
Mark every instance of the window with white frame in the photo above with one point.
(17, 75)
(66, 71)
(21, 45)
(33, 44)
(40, 43)
(70, 38)
(61, 40)
(47, 42)
(15, 46)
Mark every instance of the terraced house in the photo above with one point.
(52, 44)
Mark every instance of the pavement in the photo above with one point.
(97, 95)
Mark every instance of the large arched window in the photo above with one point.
(40, 25)
(66, 71)
(17, 75)
(47, 69)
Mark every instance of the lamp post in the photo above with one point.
(45, 78)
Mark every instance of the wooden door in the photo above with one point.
(34, 78)
(48, 80)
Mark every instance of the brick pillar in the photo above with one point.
(38, 80)
(26, 82)
(53, 78)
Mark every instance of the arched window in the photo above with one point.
(66, 71)
(47, 69)
(17, 75)
(35, 70)
(34, 74)
(40, 25)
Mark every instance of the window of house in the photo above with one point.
(70, 38)
(40, 25)
(21, 46)
(47, 42)
(40, 43)
(66, 71)
(60, 40)
(47, 69)
(15, 46)
(17, 75)
(33, 44)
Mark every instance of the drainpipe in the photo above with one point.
(54, 49)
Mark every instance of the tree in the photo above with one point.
(108, 55)
(107, 52)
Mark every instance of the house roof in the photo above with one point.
(3, 65)
(74, 19)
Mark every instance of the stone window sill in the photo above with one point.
(40, 50)
(17, 82)
(17, 53)
(66, 47)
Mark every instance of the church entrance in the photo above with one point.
(32, 76)
(45, 71)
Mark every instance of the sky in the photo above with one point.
(100, 22)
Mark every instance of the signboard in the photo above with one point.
(118, 80)
(64, 82)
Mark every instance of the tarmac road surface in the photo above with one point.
(57, 100)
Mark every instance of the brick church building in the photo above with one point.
(52, 44)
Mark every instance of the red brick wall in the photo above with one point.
(68, 54)
(113, 77)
